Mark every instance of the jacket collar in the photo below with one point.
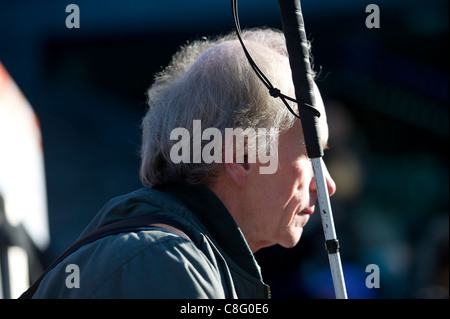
(213, 214)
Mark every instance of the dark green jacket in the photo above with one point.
(215, 263)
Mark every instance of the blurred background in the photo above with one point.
(387, 98)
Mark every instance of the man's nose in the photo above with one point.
(331, 185)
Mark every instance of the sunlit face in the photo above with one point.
(280, 204)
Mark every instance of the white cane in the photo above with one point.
(331, 242)
(297, 47)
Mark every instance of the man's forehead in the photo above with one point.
(319, 102)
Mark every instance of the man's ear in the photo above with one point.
(232, 156)
(238, 172)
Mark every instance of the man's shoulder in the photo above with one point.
(142, 201)
(142, 264)
(124, 264)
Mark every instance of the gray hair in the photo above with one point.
(211, 80)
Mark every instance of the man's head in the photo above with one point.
(211, 82)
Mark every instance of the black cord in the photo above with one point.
(273, 91)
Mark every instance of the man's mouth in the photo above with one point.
(306, 212)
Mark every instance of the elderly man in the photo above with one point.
(227, 204)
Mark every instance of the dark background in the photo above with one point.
(386, 92)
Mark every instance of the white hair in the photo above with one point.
(211, 80)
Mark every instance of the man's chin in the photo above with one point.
(293, 238)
